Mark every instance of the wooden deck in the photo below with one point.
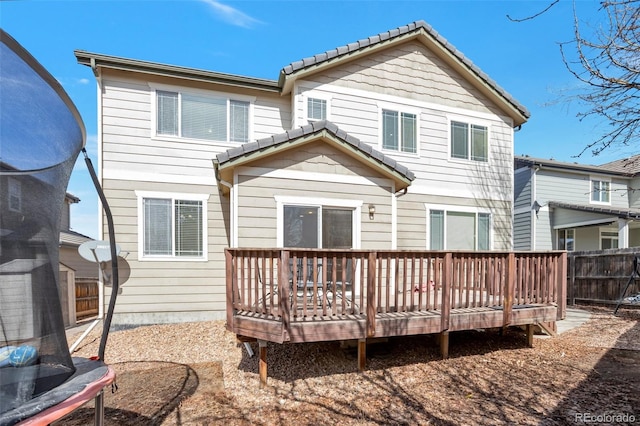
(298, 295)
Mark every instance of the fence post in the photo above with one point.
(562, 286)
(371, 294)
(572, 280)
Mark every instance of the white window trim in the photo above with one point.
(282, 200)
(141, 195)
(306, 95)
(610, 230)
(470, 121)
(457, 209)
(599, 179)
(199, 92)
(400, 109)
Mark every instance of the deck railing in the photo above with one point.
(290, 285)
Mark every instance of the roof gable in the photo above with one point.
(320, 130)
(425, 34)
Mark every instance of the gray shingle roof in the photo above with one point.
(620, 212)
(310, 129)
(627, 167)
(416, 26)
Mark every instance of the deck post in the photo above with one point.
(230, 281)
(443, 337)
(509, 288)
(362, 354)
(445, 303)
(530, 329)
(284, 290)
(262, 366)
(371, 295)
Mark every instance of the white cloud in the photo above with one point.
(231, 15)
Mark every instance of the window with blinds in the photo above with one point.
(172, 227)
(201, 117)
(316, 109)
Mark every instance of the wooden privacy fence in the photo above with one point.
(601, 276)
(87, 298)
(275, 295)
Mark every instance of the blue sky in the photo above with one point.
(259, 38)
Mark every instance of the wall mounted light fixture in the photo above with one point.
(372, 211)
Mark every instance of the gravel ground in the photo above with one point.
(198, 374)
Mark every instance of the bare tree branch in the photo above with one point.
(608, 65)
(533, 16)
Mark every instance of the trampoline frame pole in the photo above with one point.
(98, 415)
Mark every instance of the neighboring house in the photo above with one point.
(70, 241)
(571, 206)
(396, 141)
(73, 268)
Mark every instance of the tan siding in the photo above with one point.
(257, 204)
(196, 288)
(320, 158)
(409, 71)
(433, 167)
(127, 133)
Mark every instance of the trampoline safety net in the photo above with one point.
(41, 135)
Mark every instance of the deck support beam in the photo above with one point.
(262, 366)
(362, 354)
(443, 338)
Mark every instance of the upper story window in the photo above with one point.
(600, 191)
(196, 116)
(316, 109)
(399, 131)
(172, 226)
(15, 195)
(469, 141)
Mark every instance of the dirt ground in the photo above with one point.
(198, 374)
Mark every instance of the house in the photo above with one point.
(395, 141)
(572, 206)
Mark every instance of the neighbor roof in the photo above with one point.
(624, 213)
(415, 29)
(310, 132)
(629, 167)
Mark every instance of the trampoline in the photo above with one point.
(41, 136)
